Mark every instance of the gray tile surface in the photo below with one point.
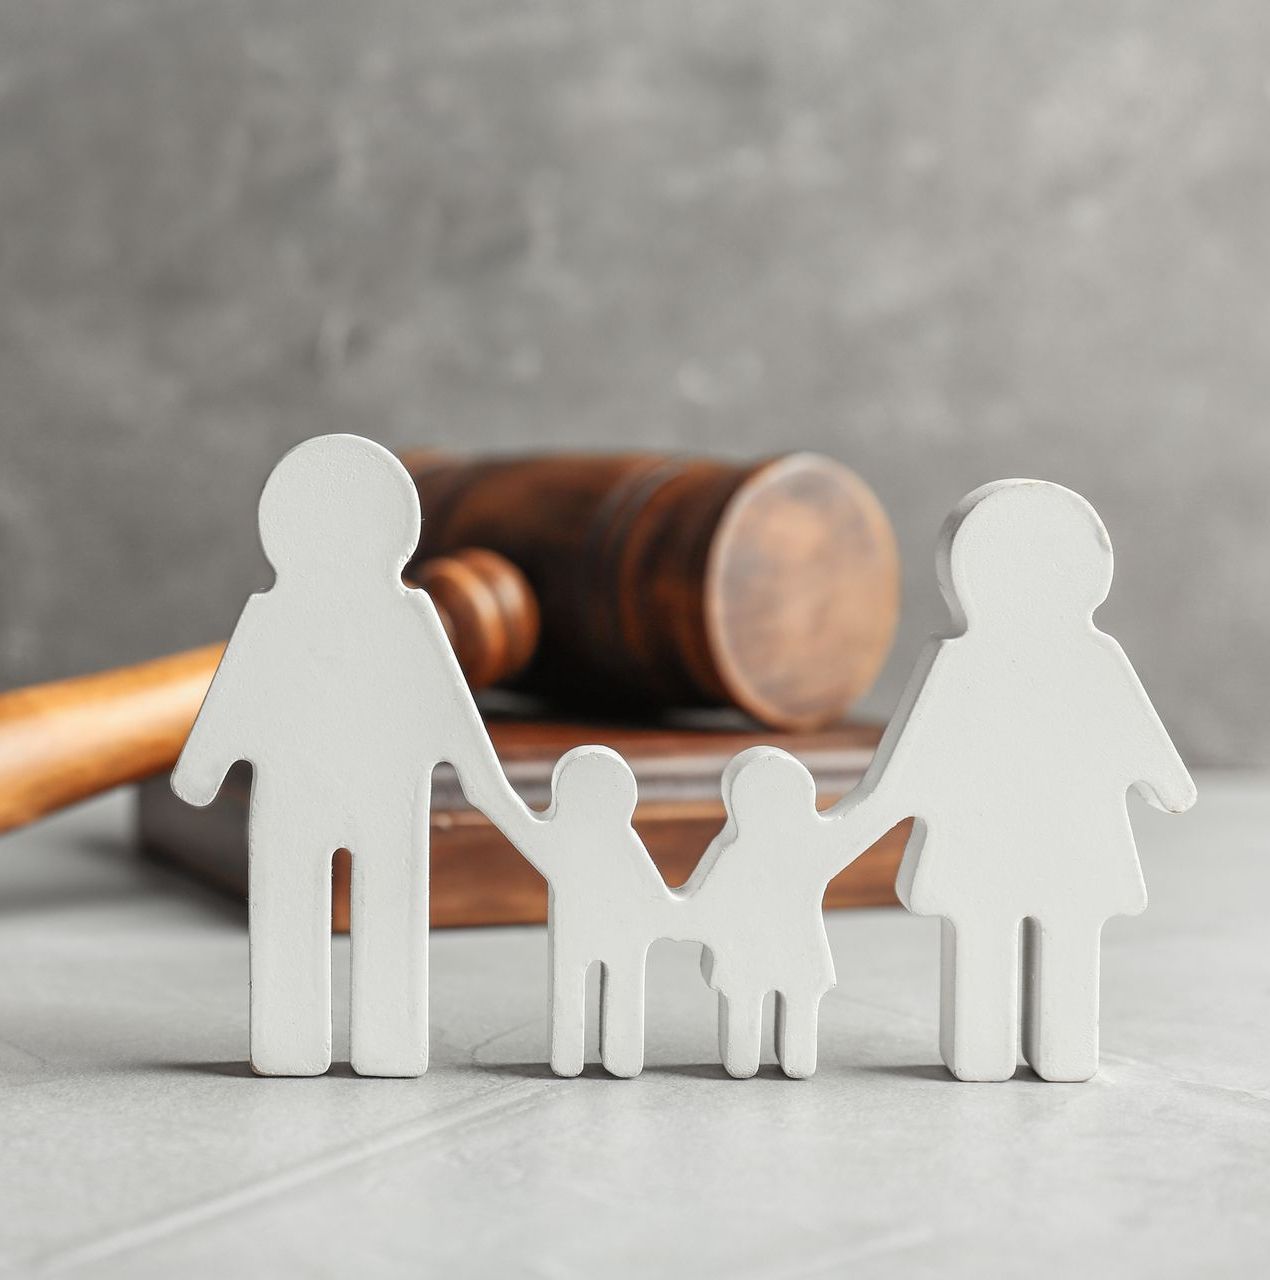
(134, 1144)
(946, 243)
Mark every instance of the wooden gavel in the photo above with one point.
(630, 582)
(64, 741)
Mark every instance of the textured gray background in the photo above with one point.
(945, 242)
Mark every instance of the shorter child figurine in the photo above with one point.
(756, 905)
(607, 902)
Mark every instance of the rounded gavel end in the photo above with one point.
(488, 609)
(800, 597)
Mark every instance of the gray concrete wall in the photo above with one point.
(944, 242)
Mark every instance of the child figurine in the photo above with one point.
(1014, 746)
(754, 902)
(756, 905)
(607, 902)
(340, 687)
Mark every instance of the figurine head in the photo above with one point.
(339, 505)
(765, 785)
(594, 784)
(1024, 550)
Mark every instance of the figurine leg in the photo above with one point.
(740, 1034)
(1060, 1039)
(979, 1000)
(622, 1016)
(389, 997)
(289, 927)
(568, 1013)
(797, 1030)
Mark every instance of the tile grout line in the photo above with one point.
(510, 1099)
(1203, 1086)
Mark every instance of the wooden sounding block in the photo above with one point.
(478, 878)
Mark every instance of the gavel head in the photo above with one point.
(670, 582)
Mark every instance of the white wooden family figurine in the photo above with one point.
(1013, 748)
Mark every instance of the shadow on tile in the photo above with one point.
(594, 1071)
(243, 1071)
(936, 1071)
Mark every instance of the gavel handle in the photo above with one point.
(70, 739)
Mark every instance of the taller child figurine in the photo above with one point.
(1014, 746)
(340, 687)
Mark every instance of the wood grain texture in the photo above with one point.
(69, 739)
(679, 581)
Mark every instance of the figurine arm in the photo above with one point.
(1155, 767)
(481, 776)
(1169, 785)
(466, 744)
(486, 787)
(1164, 781)
(859, 820)
(891, 789)
(214, 740)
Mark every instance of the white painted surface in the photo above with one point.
(753, 902)
(136, 1145)
(607, 903)
(1014, 746)
(340, 687)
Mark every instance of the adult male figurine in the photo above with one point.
(340, 687)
